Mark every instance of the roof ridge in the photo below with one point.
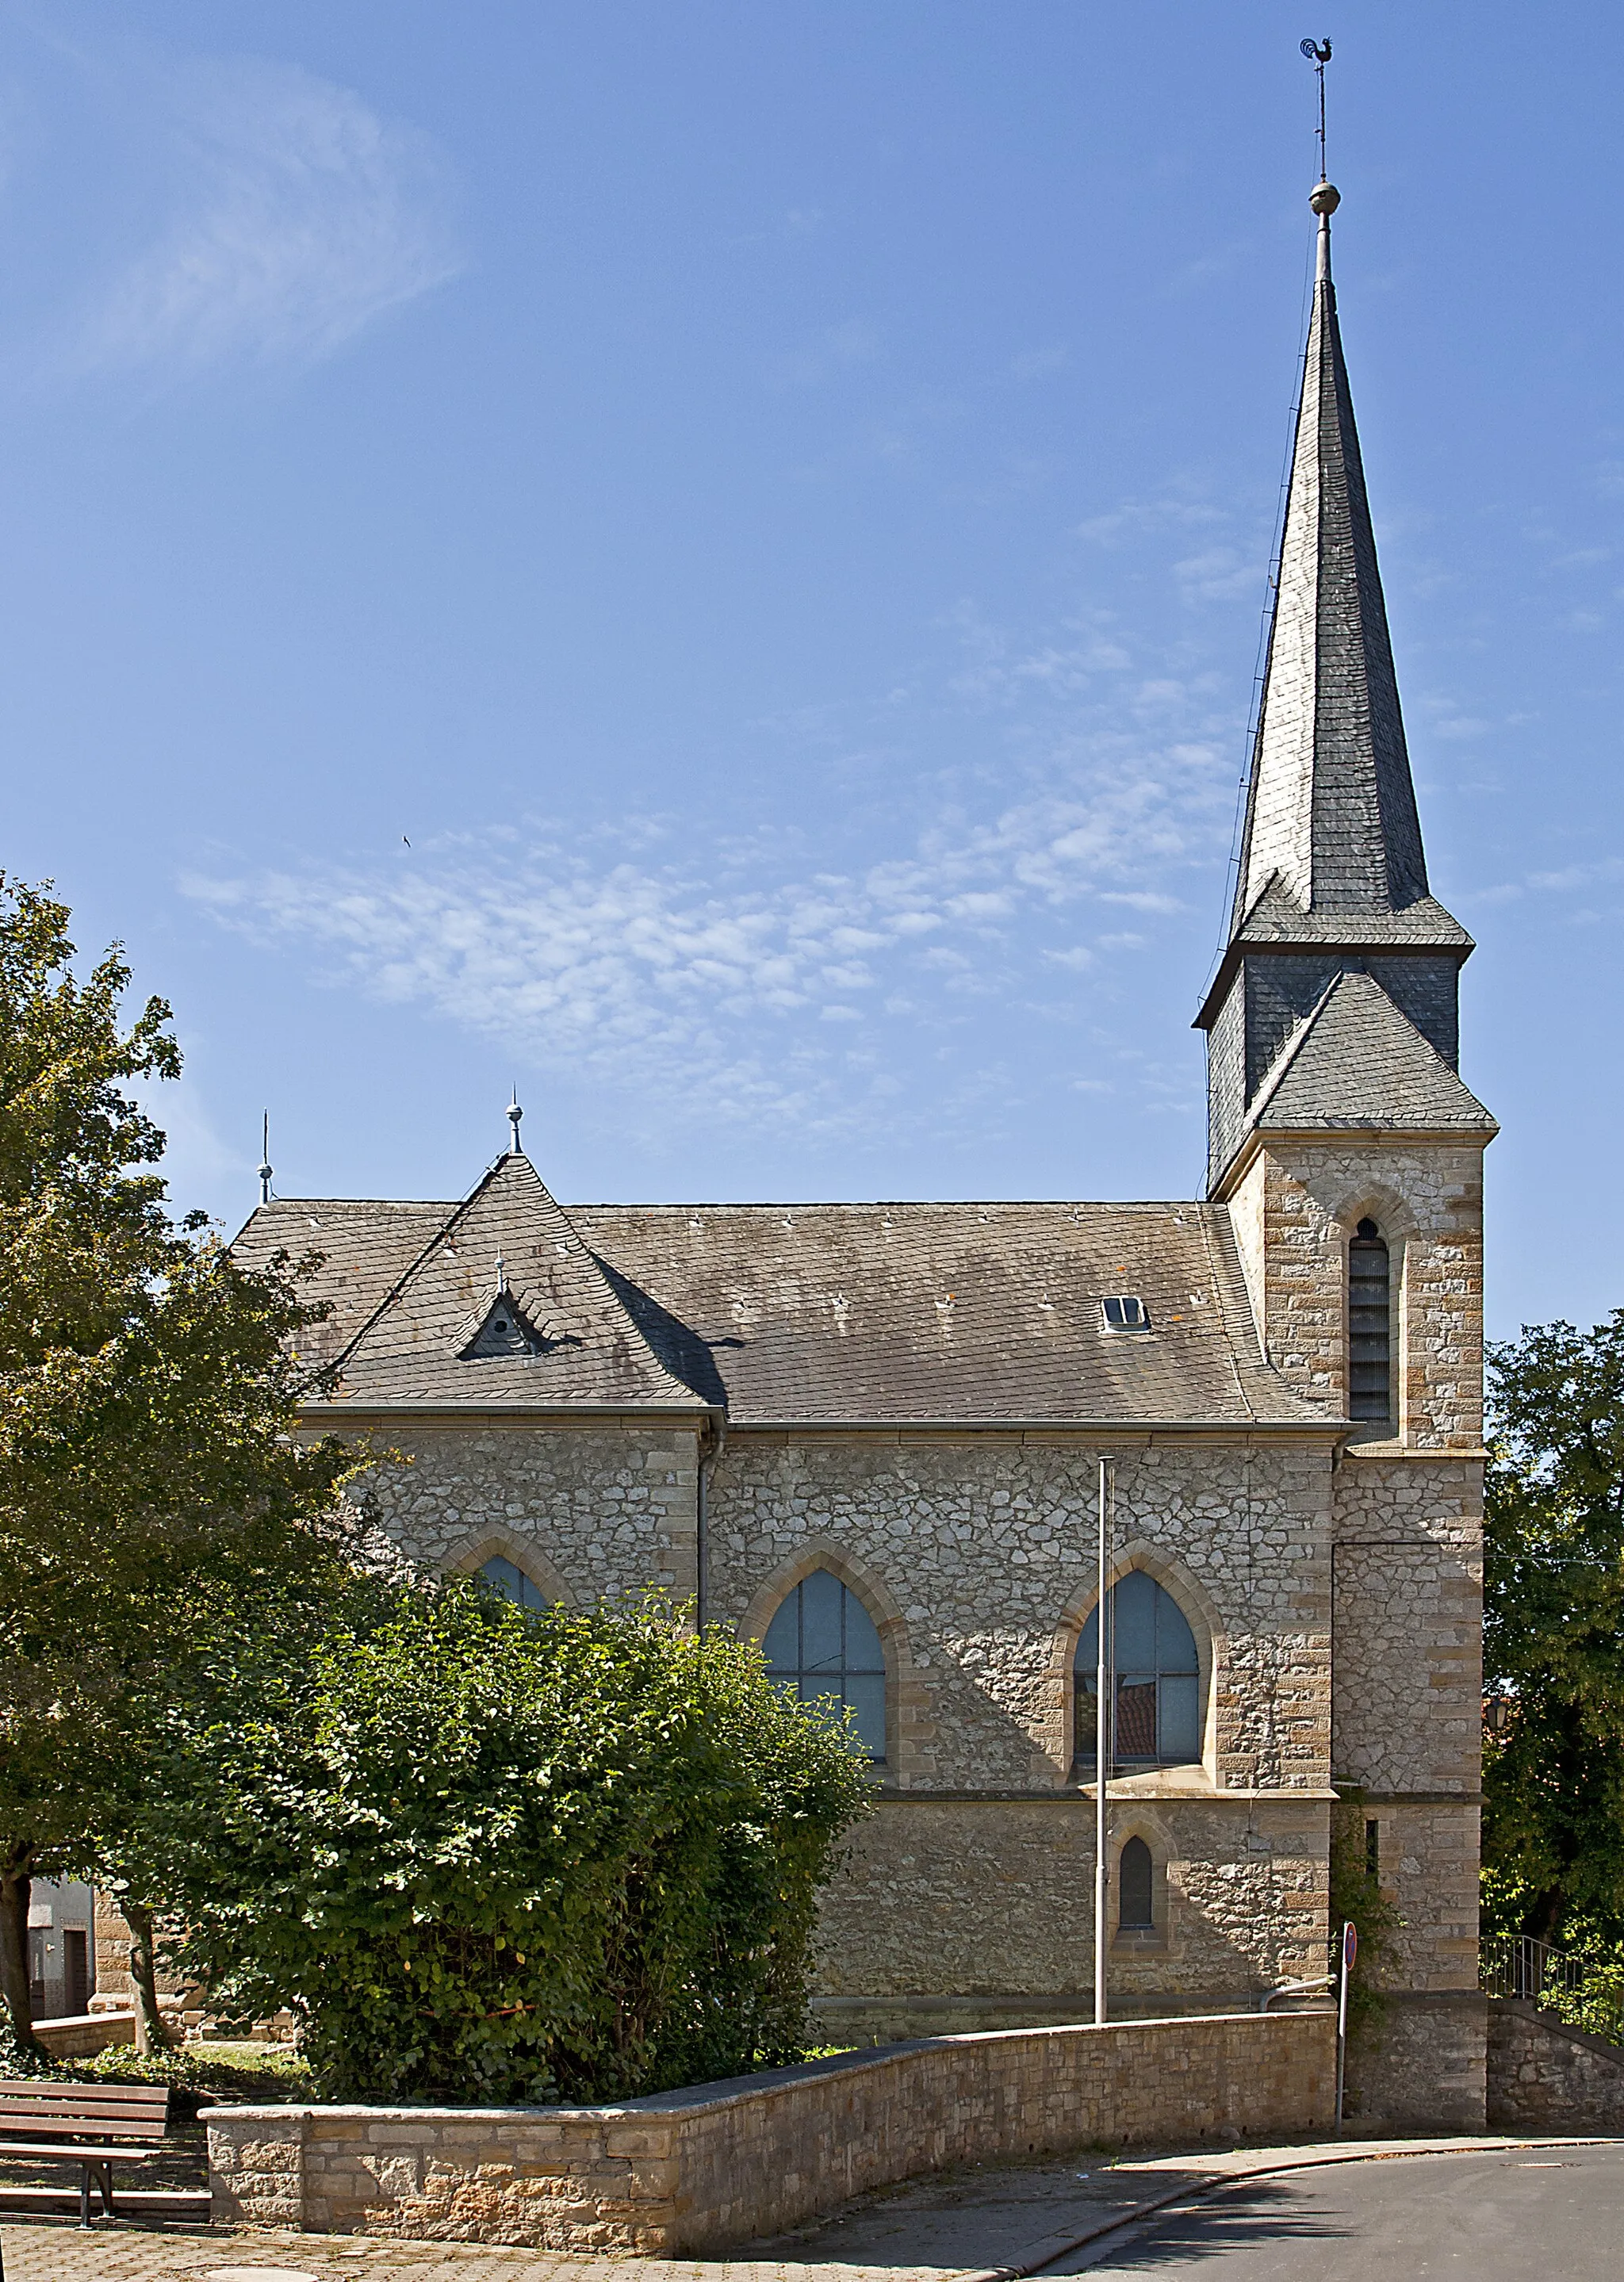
(454, 1214)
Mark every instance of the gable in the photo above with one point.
(1358, 1064)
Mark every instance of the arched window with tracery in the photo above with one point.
(1152, 1654)
(823, 1645)
(507, 1577)
(1369, 1339)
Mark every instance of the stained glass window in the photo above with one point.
(822, 1644)
(1158, 1718)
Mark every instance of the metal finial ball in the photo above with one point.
(1324, 198)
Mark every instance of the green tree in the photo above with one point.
(150, 1494)
(486, 1855)
(1553, 1782)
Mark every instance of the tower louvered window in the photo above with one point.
(1370, 1360)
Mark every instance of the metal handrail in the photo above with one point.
(1304, 1988)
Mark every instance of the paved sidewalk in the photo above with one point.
(971, 2223)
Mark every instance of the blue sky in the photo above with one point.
(771, 502)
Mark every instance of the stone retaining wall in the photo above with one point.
(717, 2164)
(1543, 2076)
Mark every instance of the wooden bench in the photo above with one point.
(94, 2125)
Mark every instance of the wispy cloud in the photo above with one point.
(302, 217)
(589, 955)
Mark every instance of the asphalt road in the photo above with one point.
(1548, 2215)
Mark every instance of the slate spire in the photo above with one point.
(1332, 880)
(1331, 809)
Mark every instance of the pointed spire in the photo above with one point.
(1331, 808)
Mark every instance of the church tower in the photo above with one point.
(1339, 1132)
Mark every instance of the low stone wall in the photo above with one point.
(78, 2035)
(1543, 2076)
(714, 2165)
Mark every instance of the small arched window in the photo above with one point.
(822, 1644)
(1152, 1651)
(1370, 1293)
(1135, 1899)
(508, 1579)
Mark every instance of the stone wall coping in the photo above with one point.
(1124, 1794)
(727, 2091)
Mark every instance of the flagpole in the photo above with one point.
(1102, 1752)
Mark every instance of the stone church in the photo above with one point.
(869, 1434)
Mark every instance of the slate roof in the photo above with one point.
(1331, 809)
(805, 1312)
(431, 1290)
(1358, 1064)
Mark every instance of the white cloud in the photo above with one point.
(632, 970)
(303, 217)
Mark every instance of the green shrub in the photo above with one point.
(237, 2072)
(484, 1856)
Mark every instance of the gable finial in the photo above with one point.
(501, 1273)
(514, 1114)
(264, 1163)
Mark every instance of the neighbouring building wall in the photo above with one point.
(61, 1947)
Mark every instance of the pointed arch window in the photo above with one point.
(507, 1577)
(823, 1645)
(1370, 1301)
(1157, 1669)
(1136, 1910)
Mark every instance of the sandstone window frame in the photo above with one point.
(1157, 1939)
(906, 1707)
(497, 1541)
(1135, 1886)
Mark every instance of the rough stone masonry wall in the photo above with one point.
(1424, 2065)
(585, 1511)
(1406, 1695)
(976, 1554)
(949, 1912)
(1543, 2076)
(701, 2169)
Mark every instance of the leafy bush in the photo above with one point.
(488, 1856)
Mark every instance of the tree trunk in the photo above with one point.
(14, 1887)
(150, 2036)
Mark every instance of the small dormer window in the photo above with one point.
(504, 1333)
(1125, 1311)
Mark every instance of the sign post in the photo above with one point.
(1350, 1949)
